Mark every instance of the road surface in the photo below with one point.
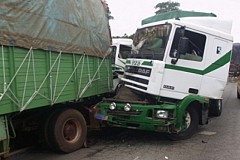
(219, 140)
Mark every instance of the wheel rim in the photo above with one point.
(187, 120)
(71, 131)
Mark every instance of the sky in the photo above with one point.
(129, 13)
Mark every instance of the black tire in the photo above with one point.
(48, 125)
(191, 127)
(67, 131)
(215, 107)
(238, 95)
(43, 130)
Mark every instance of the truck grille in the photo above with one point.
(135, 85)
(143, 81)
(121, 112)
(138, 70)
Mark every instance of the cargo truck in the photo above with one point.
(174, 78)
(54, 65)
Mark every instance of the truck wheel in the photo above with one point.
(238, 95)
(191, 119)
(43, 131)
(215, 107)
(67, 131)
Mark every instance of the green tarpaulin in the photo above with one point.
(176, 14)
(73, 26)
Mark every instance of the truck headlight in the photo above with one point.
(127, 107)
(112, 106)
(161, 114)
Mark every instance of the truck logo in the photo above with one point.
(144, 71)
(219, 50)
(138, 70)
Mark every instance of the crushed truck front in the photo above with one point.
(167, 78)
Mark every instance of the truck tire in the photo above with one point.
(215, 107)
(191, 121)
(67, 131)
(238, 95)
(43, 131)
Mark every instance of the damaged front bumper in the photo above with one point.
(137, 115)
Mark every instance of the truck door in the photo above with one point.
(185, 76)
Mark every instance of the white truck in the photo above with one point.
(174, 79)
(121, 48)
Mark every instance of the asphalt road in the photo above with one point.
(219, 140)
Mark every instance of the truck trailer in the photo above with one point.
(54, 65)
(174, 78)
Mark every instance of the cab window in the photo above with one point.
(196, 45)
(124, 51)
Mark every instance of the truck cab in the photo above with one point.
(174, 78)
(181, 57)
(121, 48)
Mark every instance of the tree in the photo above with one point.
(105, 4)
(125, 36)
(109, 14)
(167, 7)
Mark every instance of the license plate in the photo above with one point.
(101, 116)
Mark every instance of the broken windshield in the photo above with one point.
(150, 42)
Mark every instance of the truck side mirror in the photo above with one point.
(182, 48)
(183, 45)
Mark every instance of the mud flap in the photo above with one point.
(204, 117)
(4, 137)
